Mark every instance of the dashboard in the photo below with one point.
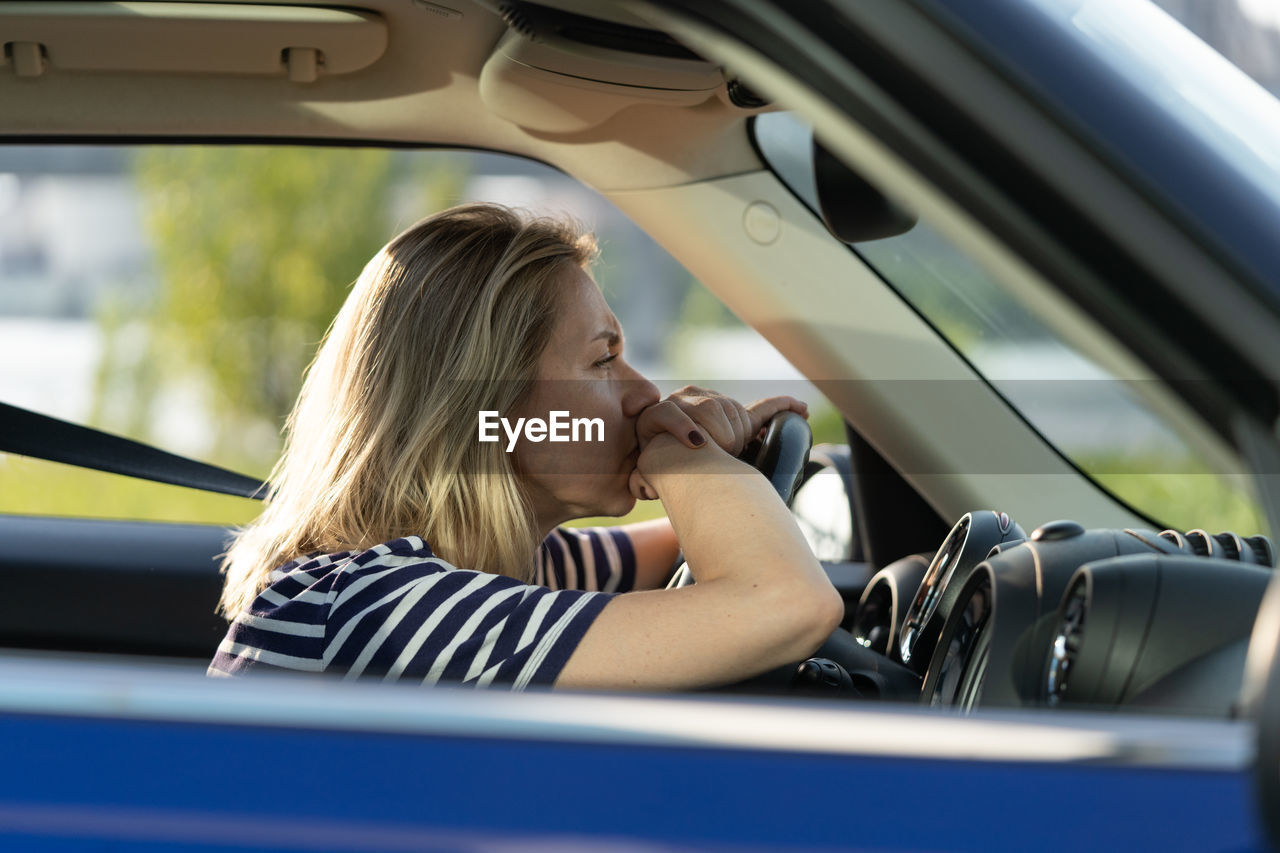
(1061, 617)
(1068, 617)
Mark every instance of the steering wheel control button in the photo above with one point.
(1055, 530)
(762, 222)
(822, 675)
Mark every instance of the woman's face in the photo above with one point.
(582, 372)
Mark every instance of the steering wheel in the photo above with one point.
(781, 456)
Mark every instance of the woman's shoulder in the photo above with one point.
(402, 559)
(408, 550)
(398, 610)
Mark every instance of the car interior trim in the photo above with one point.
(209, 38)
(36, 684)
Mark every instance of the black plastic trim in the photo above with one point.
(893, 520)
(98, 586)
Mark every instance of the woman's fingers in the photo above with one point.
(716, 414)
(640, 488)
(708, 410)
(738, 415)
(668, 417)
(701, 411)
(695, 414)
(762, 411)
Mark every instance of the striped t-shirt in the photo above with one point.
(396, 611)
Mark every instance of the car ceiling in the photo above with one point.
(201, 70)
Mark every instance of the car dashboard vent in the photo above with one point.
(1254, 550)
(1066, 642)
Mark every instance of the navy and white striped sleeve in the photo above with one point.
(398, 613)
(283, 629)
(591, 558)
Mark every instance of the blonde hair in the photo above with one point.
(448, 319)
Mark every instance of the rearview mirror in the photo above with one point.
(853, 209)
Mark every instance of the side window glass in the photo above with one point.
(175, 295)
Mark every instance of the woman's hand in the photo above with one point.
(692, 413)
(761, 601)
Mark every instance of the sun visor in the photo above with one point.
(302, 42)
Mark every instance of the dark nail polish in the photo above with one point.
(696, 438)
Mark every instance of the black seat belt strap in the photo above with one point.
(28, 433)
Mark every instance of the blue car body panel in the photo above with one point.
(200, 787)
(170, 760)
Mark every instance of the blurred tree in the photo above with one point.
(255, 250)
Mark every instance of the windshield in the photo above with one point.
(1095, 420)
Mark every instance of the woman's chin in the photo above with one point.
(617, 504)
(623, 505)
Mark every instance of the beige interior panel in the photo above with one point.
(423, 88)
(551, 102)
(214, 38)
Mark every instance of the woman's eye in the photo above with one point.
(604, 362)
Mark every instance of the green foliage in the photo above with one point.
(255, 249)
(36, 487)
(1180, 493)
(826, 423)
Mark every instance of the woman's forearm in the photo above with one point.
(656, 549)
(761, 599)
(735, 531)
(726, 515)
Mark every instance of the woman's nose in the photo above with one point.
(639, 395)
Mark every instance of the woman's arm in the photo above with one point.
(761, 600)
(656, 549)
(730, 425)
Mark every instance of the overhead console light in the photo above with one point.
(300, 42)
(559, 72)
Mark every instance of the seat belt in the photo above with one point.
(28, 433)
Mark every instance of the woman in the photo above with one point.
(397, 543)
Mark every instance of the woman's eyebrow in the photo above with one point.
(610, 335)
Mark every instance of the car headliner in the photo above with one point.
(423, 90)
